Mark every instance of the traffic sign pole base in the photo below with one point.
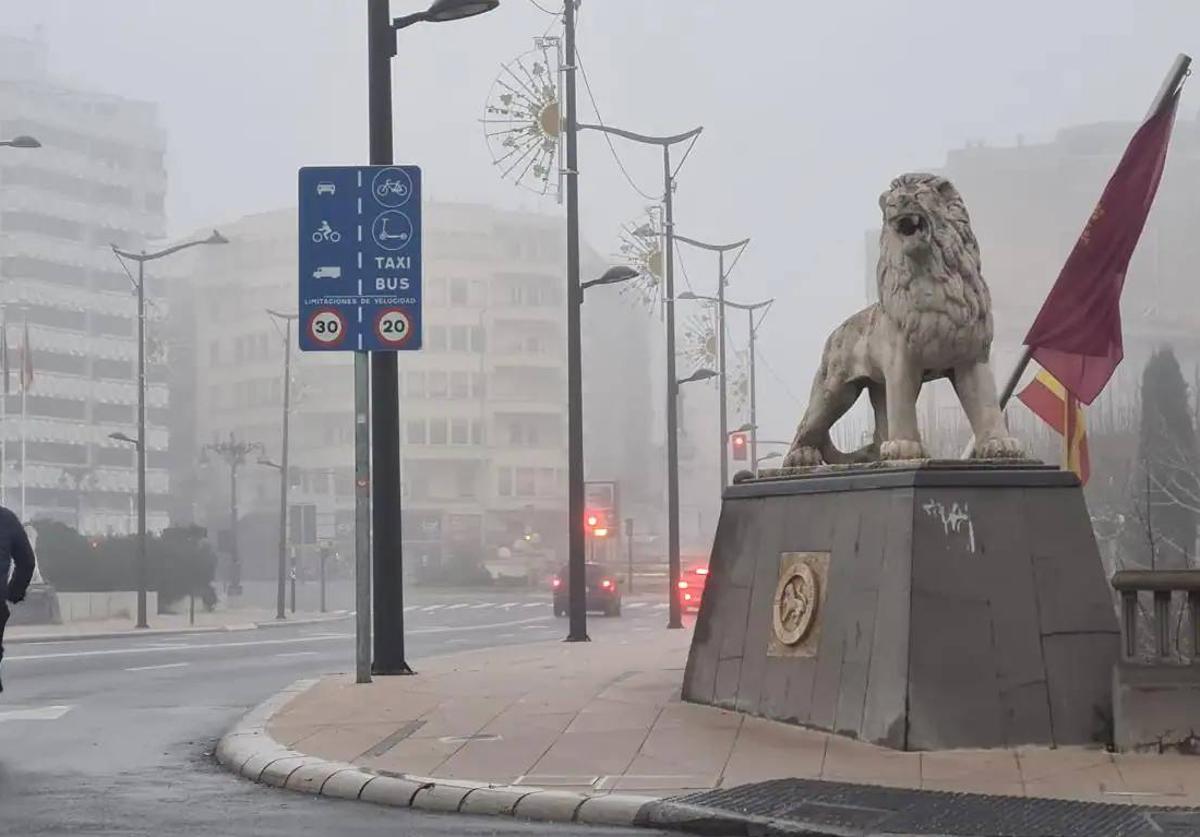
(403, 669)
(573, 638)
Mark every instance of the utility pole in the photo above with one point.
(674, 614)
(283, 459)
(387, 558)
(234, 453)
(576, 573)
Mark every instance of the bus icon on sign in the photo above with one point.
(328, 272)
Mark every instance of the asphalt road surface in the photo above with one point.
(115, 737)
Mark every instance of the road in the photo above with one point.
(115, 737)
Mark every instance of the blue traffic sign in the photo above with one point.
(360, 258)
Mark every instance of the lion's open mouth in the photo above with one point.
(908, 225)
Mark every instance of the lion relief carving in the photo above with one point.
(933, 320)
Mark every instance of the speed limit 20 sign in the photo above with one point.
(360, 258)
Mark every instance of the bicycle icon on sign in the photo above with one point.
(392, 187)
(326, 233)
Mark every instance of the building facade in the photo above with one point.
(483, 407)
(98, 180)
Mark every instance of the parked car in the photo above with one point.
(603, 590)
(691, 586)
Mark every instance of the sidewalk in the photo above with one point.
(233, 619)
(604, 718)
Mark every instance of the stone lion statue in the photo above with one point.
(933, 320)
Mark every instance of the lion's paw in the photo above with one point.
(802, 457)
(901, 449)
(999, 447)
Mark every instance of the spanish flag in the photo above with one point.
(1054, 404)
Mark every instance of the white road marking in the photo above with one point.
(485, 604)
(156, 668)
(408, 608)
(457, 606)
(429, 608)
(632, 605)
(108, 652)
(296, 654)
(507, 605)
(659, 606)
(535, 604)
(40, 713)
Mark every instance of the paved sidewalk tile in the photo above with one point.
(554, 724)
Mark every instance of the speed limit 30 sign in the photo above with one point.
(327, 327)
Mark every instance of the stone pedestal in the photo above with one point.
(928, 605)
(40, 607)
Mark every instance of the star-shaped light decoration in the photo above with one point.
(641, 248)
(522, 120)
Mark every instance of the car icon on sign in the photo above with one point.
(326, 188)
(327, 273)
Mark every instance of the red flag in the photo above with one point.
(1077, 334)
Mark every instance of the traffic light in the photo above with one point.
(738, 440)
(596, 523)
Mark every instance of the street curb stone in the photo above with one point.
(155, 633)
(250, 751)
(391, 790)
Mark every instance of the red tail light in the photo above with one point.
(606, 583)
(556, 582)
(687, 597)
(683, 585)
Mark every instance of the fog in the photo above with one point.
(808, 110)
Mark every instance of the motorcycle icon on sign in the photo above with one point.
(326, 233)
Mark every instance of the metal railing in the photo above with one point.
(1163, 584)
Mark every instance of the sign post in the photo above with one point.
(360, 291)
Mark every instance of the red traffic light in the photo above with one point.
(738, 440)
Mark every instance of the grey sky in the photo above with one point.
(809, 109)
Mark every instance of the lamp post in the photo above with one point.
(753, 331)
(141, 259)
(76, 478)
(20, 141)
(387, 549)
(234, 453)
(722, 278)
(283, 465)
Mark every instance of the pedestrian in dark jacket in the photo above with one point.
(16, 555)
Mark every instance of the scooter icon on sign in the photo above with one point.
(392, 230)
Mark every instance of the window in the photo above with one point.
(458, 291)
(478, 344)
(504, 486)
(435, 293)
(214, 397)
(547, 485)
(102, 368)
(437, 431)
(478, 293)
(477, 387)
(108, 324)
(465, 479)
(415, 385)
(415, 432)
(48, 225)
(460, 385)
(526, 482)
(458, 338)
(476, 432)
(437, 385)
(120, 413)
(460, 432)
(437, 338)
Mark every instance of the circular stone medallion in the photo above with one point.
(795, 607)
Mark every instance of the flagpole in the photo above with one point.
(4, 409)
(1068, 427)
(1179, 70)
(24, 391)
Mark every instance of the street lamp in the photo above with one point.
(722, 280)
(283, 465)
(141, 259)
(612, 276)
(379, 423)
(234, 453)
(762, 459)
(22, 141)
(753, 331)
(698, 375)
(441, 11)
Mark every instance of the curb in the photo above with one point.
(249, 750)
(157, 632)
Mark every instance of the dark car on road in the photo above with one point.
(603, 591)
